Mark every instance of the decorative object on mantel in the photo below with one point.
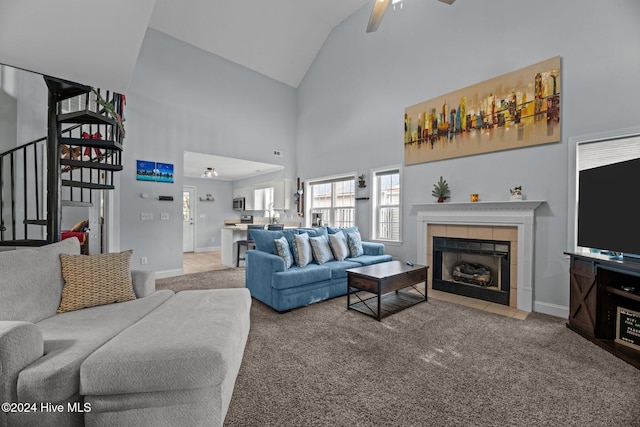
(441, 190)
(207, 198)
(516, 110)
(516, 193)
(474, 197)
(361, 182)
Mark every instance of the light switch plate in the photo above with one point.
(164, 216)
(146, 216)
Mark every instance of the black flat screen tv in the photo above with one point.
(608, 213)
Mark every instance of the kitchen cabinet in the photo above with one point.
(260, 196)
(247, 193)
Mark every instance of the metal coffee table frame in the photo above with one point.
(386, 281)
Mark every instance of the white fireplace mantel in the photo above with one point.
(520, 214)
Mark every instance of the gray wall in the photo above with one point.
(352, 101)
(183, 99)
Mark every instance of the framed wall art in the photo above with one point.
(518, 109)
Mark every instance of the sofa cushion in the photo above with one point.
(355, 244)
(282, 249)
(264, 239)
(69, 338)
(370, 259)
(192, 341)
(321, 250)
(298, 276)
(345, 230)
(315, 232)
(302, 249)
(31, 281)
(92, 280)
(338, 268)
(338, 243)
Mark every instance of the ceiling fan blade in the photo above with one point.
(447, 1)
(379, 6)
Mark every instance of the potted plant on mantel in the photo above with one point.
(441, 190)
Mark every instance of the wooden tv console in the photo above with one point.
(598, 286)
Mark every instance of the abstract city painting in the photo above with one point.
(515, 110)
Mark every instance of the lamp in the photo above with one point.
(209, 173)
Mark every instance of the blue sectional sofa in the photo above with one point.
(283, 288)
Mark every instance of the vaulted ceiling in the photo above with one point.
(101, 39)
(277, 38)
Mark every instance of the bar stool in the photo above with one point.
(275, 227)
(248, 243)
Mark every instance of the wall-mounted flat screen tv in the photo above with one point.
(608, 216)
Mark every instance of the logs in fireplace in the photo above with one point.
(473, 268)
(472, 273)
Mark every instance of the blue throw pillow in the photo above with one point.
(282, 250)
(321, 250)
(355, 244)
(302, 251)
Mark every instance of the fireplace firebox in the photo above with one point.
(472, 268)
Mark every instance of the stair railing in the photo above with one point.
(22, 184)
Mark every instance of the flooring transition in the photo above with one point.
(197, 262)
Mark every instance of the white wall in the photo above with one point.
(183, 99)
(352, 101)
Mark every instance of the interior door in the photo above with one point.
(188, 218)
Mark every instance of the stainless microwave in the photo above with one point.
(238, 203)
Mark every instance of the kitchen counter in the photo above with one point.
(229, 236)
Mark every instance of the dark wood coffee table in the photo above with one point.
(386, 281)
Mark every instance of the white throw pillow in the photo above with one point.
(339, 245)
(321, 250)
(302, 252)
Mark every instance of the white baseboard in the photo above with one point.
(210, 249)
(551, 309)
(169, 273)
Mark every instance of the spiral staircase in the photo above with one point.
(79, 156)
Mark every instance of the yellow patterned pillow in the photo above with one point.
(91, 280)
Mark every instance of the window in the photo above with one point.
(386, 204)
(335, 201)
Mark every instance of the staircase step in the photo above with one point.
(97, 143)
(23, 242)
(92, 165)
(86, 117)
(35, 221)
(65, 89)
(91, 185)
(74, 204)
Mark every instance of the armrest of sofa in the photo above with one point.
(371, 248)
(21, 344)
(144, 282)
(259, 270)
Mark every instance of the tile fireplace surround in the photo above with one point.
(518, 214)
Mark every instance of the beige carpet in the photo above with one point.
(436, 363)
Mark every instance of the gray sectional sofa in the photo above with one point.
(284, 288)
(162, 359)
